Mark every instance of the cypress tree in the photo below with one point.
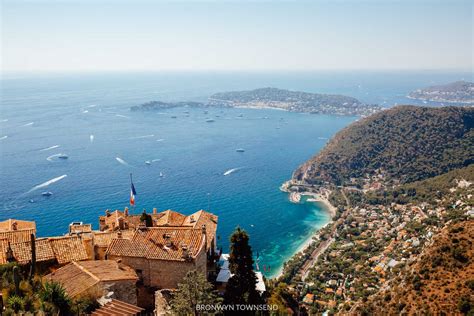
(241, 286)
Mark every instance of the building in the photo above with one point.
(118, 220)
(96, 278)
(162, 256)
(15, 230)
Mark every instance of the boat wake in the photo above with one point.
(123, 162)
(4, 137)
(49, 148)
(50, 158)
(139, 137)
(120, 115)
(27, 124)
(230, 171)
(160, 140)
(47, 183)
(91, 138)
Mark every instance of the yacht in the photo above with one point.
(47, 193)
(63, 156)
(210, 120)
(240, 150)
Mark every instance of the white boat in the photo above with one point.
(161, 174)
(148, 162)
(47, 193)
(240, 150)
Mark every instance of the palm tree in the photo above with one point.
(54, 298)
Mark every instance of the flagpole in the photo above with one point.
(131, 184)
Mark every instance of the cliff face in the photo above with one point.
(402, 144)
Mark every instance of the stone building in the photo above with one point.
(96, 278)
(162, 256)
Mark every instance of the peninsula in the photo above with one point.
(273, 98)
(455, 92)
(402, 183)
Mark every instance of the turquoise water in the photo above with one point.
(41, 112)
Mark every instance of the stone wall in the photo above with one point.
(164, 274)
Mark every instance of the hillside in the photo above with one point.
(454, 92)
(400, 145)
(295, 101)
(440, 281)
(431, 189)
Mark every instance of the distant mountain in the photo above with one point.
(273, 98)
(455, 92)
(399, 145)
(295, 101)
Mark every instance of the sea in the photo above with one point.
(192, 164)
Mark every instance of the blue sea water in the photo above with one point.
(48, 110)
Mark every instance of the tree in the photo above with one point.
(194, 290)
(240, 288)
(54, 298)
(147, 219)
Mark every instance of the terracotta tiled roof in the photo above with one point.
(22, 251)
(103, 239)
(86, 274)
(7, 225)
(15, 236)
(154, 244)
(117, 308)
(200, 218)
(74, 280)
(169, 218)
(67, 249)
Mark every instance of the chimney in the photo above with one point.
(186, 255)
(121, 223)
(126, 211)
(167, 238)
(107, 213)
(119, 234)
(14, 226)
(191, 219)
(154, 210)
(203, 228)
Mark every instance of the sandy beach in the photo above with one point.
(327, 206)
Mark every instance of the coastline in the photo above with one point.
(315, 198)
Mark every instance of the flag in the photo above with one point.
(132, 192)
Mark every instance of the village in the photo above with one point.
(131, 264)
(366, 246)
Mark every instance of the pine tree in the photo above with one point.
(241, 286)
(193, 290)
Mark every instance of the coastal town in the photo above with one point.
(367, 245)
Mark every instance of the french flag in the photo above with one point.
(132, 192)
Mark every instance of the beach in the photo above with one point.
(295, 197)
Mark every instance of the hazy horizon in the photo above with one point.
(142, 36)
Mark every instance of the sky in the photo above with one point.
(139, 35)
